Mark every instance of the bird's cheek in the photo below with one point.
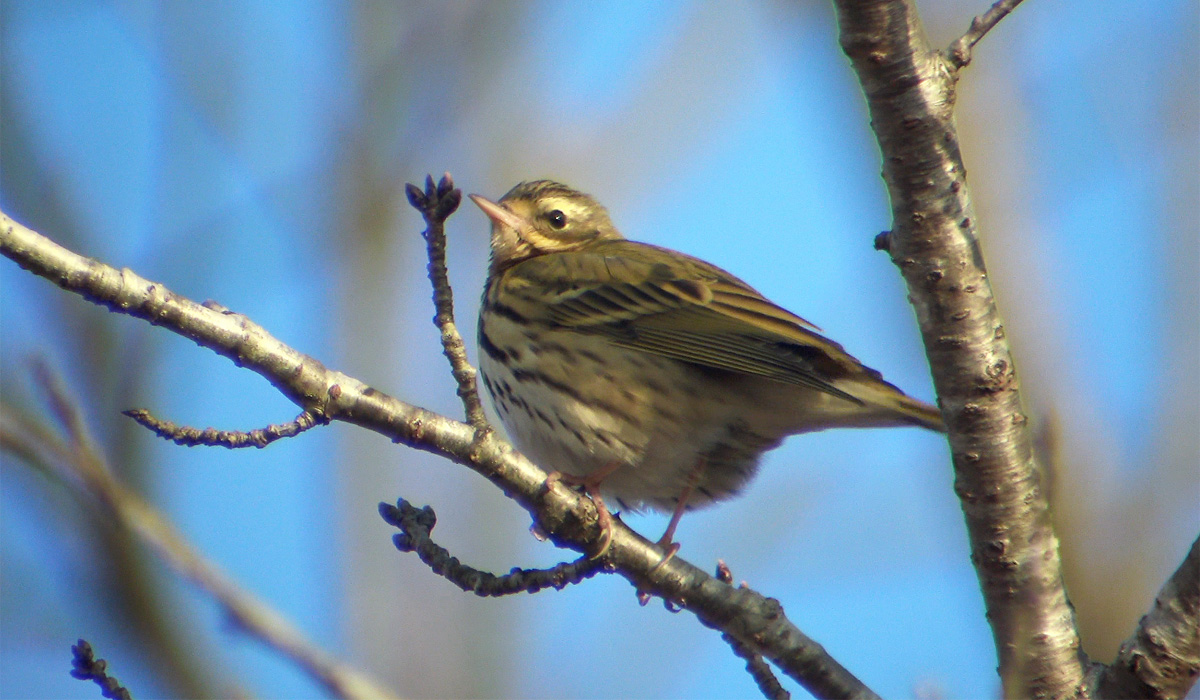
(506, 243)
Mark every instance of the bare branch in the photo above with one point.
(86, 667)
(935, 242)
(1161, 659)
(415, 525)
(232, 439)
(567, 517)
(436, 204)
(960, 51)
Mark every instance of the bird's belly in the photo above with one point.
(574, 403)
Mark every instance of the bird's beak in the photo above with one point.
(499, 215)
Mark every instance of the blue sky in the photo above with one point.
(255, 154)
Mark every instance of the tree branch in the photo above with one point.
(86, 667)
(436, 204)
(1161, 659)
(910, 92)
(416, 525)
(230, 439)
(959, 54)
(568, 517)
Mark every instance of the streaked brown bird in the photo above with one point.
(651, 377)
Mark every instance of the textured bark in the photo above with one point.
(934, 241)
(1161, 659)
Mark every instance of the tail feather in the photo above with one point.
(921, 414)
(885, 404)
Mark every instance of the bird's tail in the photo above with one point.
(920, 413)
(884, 404)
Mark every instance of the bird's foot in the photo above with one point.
(667, 542)
(591, 487)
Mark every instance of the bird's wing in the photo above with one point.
(678, 307)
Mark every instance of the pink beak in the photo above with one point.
(498, 214)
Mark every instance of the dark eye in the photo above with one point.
(556, 218)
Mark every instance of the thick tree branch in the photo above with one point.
(569, 518)
(1161, 659)
(910, 93)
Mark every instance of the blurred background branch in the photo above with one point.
(73, 461)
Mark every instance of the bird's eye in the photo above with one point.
(557, 219)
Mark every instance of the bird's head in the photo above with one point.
(540, 217)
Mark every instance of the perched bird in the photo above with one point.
(653, 378)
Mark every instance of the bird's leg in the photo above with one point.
(667, 540)
(591, 486)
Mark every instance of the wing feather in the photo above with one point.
(647, 298)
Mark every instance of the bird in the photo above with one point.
(653, 379)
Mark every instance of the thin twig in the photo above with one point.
(415, 525)
(64, 410)
(436, 203)
(87, 470)
(960, 51)
(86, 667)
(232, 439)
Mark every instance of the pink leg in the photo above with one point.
(667, 540)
